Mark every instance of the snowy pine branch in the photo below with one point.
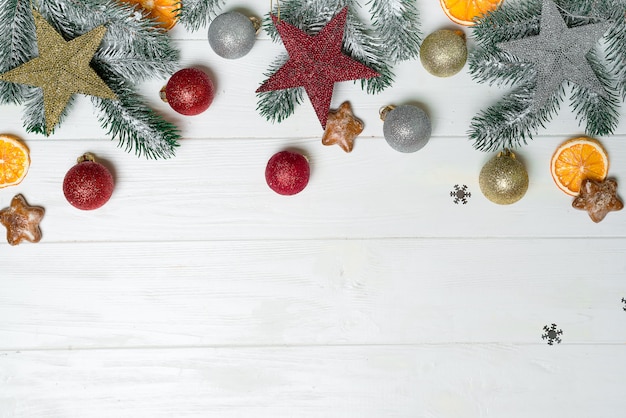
(278, 105)
(599, 113)
(398, 28)
(616, 47)
(196, 14)
(496, 67)
(18, 45)
(368, 50)
(511, 122)
(517, 20)
(135, 125)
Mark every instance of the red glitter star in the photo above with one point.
(316, 63)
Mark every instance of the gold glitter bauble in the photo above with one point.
(444, 52)
(504, 179)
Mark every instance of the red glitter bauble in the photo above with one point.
(189, 91)
(88, 185)
(287, 172)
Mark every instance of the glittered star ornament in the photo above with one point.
(21, 221)
(61, 70)
(316, 63)
(598, 198)
(558, 53)
(342, 128)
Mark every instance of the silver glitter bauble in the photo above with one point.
(232, 35)
(406, 128)
(444, 52)
(504, 179)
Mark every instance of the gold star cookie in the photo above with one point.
(598, 198)
(21, 221)
(342, 127)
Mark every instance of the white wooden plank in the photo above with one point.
(410, 381)
(311, 292)
(215, 189)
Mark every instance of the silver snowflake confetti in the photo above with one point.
(558, 54)
(552, 334)
(460, 194)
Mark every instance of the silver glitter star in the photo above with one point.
(559, 53)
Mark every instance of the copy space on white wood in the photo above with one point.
(197, 292)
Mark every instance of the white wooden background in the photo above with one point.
(198, 292)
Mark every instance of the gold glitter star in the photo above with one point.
(21, 221)
(342, 127)
(61, 69)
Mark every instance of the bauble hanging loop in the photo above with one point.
(256, 23)
(384, 111)
(504, 179)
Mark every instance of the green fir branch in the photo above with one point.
(135, 125)
(616, 48)
(369, 51)
(511, 122)
(309, 17)
(398, 27)
(493, 66)
(17, 45)
(278, 105)
(154, 55)
(139, 66)
(600, 114)
(585, 12)
(511, 20)
(73, 18)
(196, 14)
(33, 116)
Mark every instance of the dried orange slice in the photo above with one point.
(464, 12)
(14, 160)
(578, 159)
(165, 12)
